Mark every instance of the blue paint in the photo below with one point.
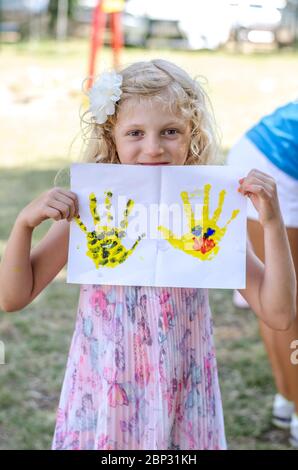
(210, 231)
(197, 230)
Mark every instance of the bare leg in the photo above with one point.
(117, 38)
(278, 343)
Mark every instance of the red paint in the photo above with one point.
(203, 244)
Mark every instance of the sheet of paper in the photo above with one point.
(174, 226)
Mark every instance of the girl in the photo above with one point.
(141, 372)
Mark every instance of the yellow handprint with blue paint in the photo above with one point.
(104, 243)
(202, 239)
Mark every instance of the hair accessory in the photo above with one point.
(103, 95)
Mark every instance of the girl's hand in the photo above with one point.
(57, 204)
(261, 189)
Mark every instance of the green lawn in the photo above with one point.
(40, 87)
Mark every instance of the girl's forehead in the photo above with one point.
(133, 107)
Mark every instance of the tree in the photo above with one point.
(60, 11)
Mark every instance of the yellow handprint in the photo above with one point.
(202, 240)
(104, 243)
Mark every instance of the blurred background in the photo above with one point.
(190, 25)
(245, 53)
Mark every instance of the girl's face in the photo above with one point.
(147, 134)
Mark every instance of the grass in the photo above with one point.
(40, 87)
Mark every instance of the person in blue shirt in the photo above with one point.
(272, 146)
(276, 136)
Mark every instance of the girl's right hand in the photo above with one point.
(57, 204)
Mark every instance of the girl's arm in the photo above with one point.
(270, 288)
(24, 274)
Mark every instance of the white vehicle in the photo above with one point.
(256, 21)
(193, 24)
(189, 24)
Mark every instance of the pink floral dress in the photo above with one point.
(141, 372)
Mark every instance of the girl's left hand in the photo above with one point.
(262, 191)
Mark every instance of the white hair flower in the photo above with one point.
(103, 95)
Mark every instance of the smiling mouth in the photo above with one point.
(159, 163)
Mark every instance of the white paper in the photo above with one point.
(157, 193)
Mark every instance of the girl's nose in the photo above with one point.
(153, 147)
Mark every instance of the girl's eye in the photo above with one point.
(134, 133)
(171, 131)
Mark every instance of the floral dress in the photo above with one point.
(141, 372)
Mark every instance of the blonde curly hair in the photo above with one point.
(164, 81)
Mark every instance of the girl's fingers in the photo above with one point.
(263, 175)
(257, 179)
(61, 207)
(257, 182)
(260, 176)
(67, 201)
(69, 194)
(53, 213)
(258, 190)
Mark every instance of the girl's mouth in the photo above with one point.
(158, 163)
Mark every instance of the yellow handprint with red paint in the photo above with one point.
(104, 243)
(202, 239)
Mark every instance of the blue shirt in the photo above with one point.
(276, 136)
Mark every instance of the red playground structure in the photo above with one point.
(103, 8)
